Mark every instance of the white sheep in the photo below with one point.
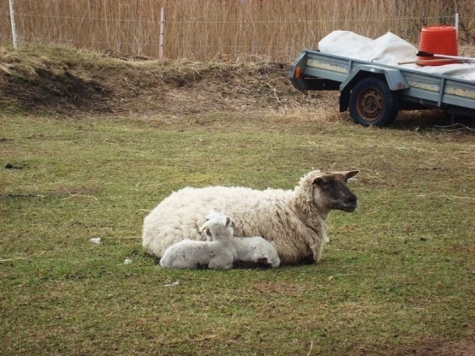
(293, 220)
(251, 251)
(216, 254)
(255, 252)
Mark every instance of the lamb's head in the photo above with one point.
(213, 214)
(218, 226)
(327, 191)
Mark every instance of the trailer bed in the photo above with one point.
(314, 70)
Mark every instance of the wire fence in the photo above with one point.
(232, 29)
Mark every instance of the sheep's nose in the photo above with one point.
(352, 199)
(350, 203)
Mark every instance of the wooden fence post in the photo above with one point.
(12, 20)
(162, 21)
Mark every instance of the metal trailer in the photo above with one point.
(374, 93)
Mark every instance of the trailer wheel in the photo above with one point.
(372, 103)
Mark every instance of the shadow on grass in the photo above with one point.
(433, 120)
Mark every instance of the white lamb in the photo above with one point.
(251, 251)
(294, 221)
(219, 253)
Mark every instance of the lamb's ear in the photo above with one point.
(351, 174)
(230, 222)
(203, 227)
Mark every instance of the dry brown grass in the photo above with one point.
(207, 29)
(61, 79)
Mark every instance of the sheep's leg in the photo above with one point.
(317, 252)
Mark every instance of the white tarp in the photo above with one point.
(388, 49)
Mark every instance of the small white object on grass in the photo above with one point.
(175, 283)
(96, 240)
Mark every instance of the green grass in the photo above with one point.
(398, 275)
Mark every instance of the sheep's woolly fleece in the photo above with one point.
(294, 221)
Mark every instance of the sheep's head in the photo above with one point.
(331, 191)
(217, 225)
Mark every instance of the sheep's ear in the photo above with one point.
(351, 174)
(317, 180)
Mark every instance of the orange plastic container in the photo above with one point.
(438, 40)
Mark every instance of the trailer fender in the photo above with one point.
(296, 72)
(395, 81)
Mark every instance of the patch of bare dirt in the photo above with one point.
(68, 81)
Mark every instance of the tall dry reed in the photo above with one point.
(205, 29)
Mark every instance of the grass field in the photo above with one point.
(89, 145)
(397, 278)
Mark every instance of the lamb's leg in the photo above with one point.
(260, 263)
(220, 263)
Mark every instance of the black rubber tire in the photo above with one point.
(372, 103)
